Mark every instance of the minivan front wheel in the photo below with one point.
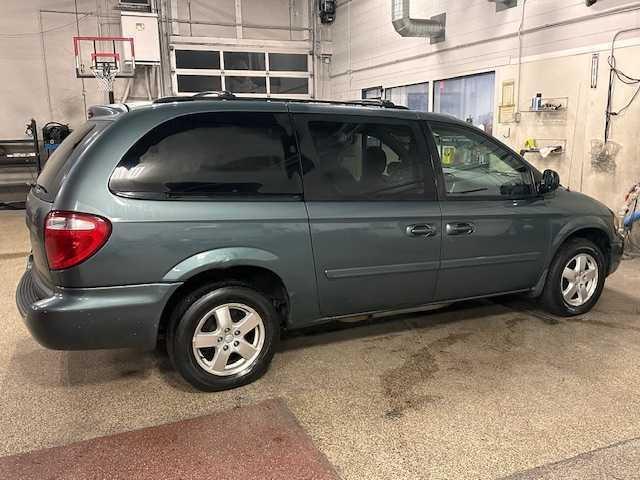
(576, 278)
(223, 336)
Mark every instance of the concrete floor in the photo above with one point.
(480, 390)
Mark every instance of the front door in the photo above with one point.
(496, 229)
(374, 217)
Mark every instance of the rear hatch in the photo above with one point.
(43, 193)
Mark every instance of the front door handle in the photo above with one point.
(420, 230)
(461, 228)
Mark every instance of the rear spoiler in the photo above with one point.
(112, 109)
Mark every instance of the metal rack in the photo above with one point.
(20, 164)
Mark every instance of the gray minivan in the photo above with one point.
(215, 222)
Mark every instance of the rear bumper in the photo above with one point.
(92, 318)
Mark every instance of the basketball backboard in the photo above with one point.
(99, 53)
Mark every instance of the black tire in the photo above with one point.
(184, 321)
(552, 298)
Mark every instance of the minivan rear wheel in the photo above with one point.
(222, 336)
(576, 278)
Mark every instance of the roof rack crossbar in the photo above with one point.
(225, 95)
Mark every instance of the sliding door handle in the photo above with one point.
(420, 230)
(460, 228)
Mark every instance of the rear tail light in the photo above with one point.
(70, 237)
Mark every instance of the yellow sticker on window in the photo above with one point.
(447, 155)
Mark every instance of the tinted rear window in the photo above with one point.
(230, 154)
(58, 164)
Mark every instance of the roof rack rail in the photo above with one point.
(376, 102)
(367, 102)
(209, 95)
(226, 95)
(218, 94)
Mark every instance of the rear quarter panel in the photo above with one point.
(162, 241)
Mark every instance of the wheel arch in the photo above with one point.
(595, 232)
(253, 267)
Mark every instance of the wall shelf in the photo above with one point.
(552, 105)
(557, 110)
(542, 144)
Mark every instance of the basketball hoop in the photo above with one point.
(105, 67)
(105, 59)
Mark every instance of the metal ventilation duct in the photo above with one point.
(433, 27)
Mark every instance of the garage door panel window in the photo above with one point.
(474, 165)
(364, 161)
(288, 62)
(244, 61)
(230, 154)
(283, 85)
(244, 73)
(198, 59)
(198, 83)
(246, 84)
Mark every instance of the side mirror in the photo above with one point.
(550, 181)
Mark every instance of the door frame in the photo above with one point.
(498, 200)
(301, 117)
(300, 121)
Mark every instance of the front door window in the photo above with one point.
(475, 165)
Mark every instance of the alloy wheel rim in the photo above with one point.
(228, 339)
(579, 279)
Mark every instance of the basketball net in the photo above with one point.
(105, 73)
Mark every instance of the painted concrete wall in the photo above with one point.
(38, 68)
(38, 71)
(558, 41)
(584, 123)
